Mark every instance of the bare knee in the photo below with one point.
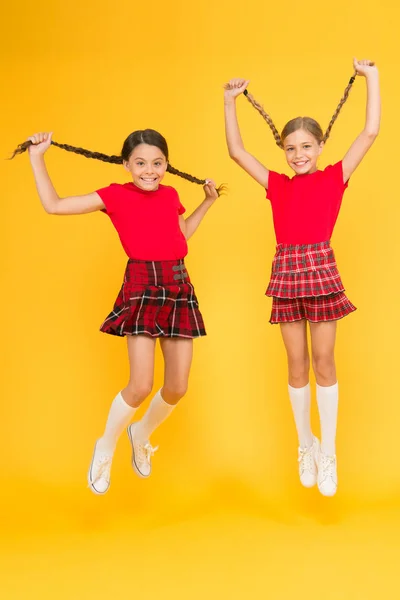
(136, 392)
(324, 368)
(173, 392)
(299, 369)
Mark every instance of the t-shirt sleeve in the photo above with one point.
(335, 174)
(110, 197)
(180, 207)
(276, 185)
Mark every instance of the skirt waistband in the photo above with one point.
(303, 247)
(156, 272)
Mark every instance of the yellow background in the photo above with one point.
(223, 515)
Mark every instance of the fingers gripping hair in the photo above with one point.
(275, 132)
(21, 148)
(113, 159)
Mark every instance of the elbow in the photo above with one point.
(53, 208)
(372, 133)
(235, 156)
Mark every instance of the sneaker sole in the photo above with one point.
(319, 489)
(325, 494)
(133, 463)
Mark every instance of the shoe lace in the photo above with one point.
(103, 465)
(306, 458)
(327, 466)
(145, 452)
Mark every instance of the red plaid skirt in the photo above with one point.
(305, 284)
(156, 299)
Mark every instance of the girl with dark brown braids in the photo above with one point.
(157, 298)
(305, 284)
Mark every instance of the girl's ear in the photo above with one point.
(321, 147)
(126, 165)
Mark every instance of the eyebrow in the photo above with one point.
(301, 143)
(139, 158)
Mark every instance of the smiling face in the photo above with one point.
(147, 165)
(302, 150)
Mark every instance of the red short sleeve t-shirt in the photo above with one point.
(147, 222)
(305, 208)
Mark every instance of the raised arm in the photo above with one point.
(52, 203)
(188, 226)
(364, 141)
(236, 149)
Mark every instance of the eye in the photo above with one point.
(289, 149)
(140, 163)
(307, 146)
(158, 164)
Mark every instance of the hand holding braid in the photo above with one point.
(235, 87)
(39, 143)
(361, 68)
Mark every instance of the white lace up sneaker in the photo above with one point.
(99, 472)
(141, 454)
(327, 474)
(308, 464)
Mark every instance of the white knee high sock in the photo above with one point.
(118, 418)
(157, 412)
(328, 400)
(300, 399)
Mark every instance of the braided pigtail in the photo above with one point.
(117, 160)
(170, 169)
(147, 136)
(339, 107)
(266, 117)
(173, 171)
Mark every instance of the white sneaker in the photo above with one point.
(141, 453)
(327, 474)
(308, 464)
(99, 472)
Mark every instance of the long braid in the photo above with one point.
(174, 171)
(265, 116)
(86, 153)
(220, 190)
(275, 132)
(339, 108)
(117, 160)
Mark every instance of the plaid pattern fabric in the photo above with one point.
(156, 299)
(304, 271)
(315, 309)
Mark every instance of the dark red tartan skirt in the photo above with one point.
(305, 284)
(156, 299)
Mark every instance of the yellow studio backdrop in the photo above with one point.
(223, 515)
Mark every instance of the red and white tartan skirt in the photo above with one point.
(156, 299)
(305, 284)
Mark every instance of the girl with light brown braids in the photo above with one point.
(157, 298)
(305, 283)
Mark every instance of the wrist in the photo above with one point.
(372, 75)
(36, 159)
(229, 100)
